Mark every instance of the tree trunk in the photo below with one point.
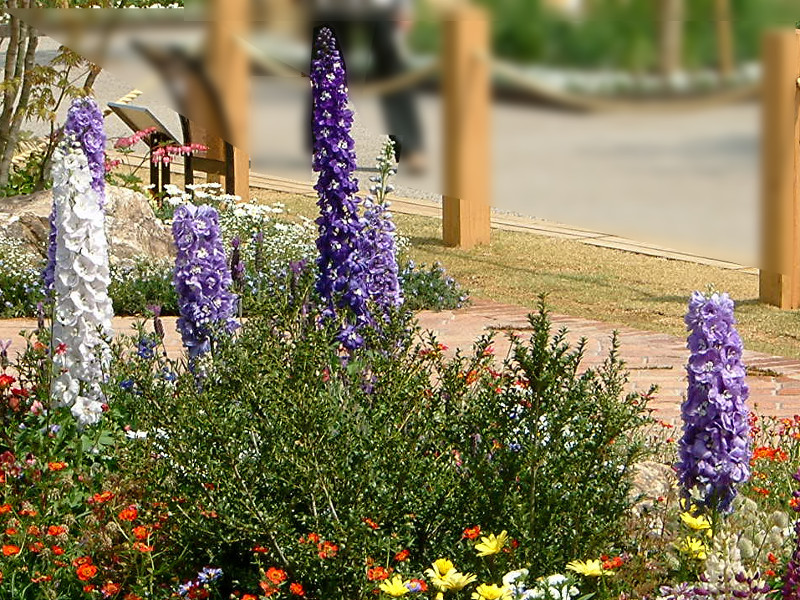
(27, 65)
(10, 92)
(722, 15)
(671, 42)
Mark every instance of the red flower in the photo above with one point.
(297, 589)
(472, 533)
(57, 550)
(260, 549)
(772, 558)
(110, 589)
(10, 550)
(419, 585)
(142, 547)
(327, 549)
(402, 555)
(56, 530)
(89, 588)
(313, 538)
(36, 547)
(370, 523)
(82, 560)
(613, 563)
(5, 508)
(248, 597)
(6, 381)
(28, 512)
(377, 574)
(128, 514)
(140, 532)
(86, 572)
(276, 576)
(268, 588)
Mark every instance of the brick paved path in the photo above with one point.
(652, 358)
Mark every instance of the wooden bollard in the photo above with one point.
(229, 66)
(467, 141)
(779, 277)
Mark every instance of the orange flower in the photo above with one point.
(402, 555)
(260, 549)
(57, 550)
(377, 574)
(313, 538)
(276, 576)
(613, 563)
(248, 597)
(5, 508)
(772, 558)
(6, 381)
(34, 531)
(82, 560)
(471, 533)
(28, 512)
(142, 547)
(297, 589)
(39, 578)
(131, 596)
(101, 497)
(10, 550)
(56, 530)
(110, 589)
(140, 532)
(11, 531)
(36, 547)
(128, 514)
(57, 466)
(370, 523)
(89, 588)
(86, 571)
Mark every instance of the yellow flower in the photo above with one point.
(694, 548)
(491, 592)
(458, 581)
(439, 572)
(699, 523)
(491, 544)
(589, 568)
(395, 588)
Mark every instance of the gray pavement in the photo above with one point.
(685, 180)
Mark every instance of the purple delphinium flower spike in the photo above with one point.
(341, 277)
(202, 278)
(714, 452)
(85, 123)
(791, 580)
(383, 283)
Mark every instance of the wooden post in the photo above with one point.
(722, 15)
(467, 106)
(229, 67)
(671, 37)
(779, 278)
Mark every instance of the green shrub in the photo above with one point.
(278, 436)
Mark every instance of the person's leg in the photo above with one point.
(399, 108)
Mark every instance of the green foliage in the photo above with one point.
(26, 178)
(613, 33)
(135, 286)
(20, 279)
(430, 288)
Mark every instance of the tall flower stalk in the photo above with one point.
(714, 452)
(342, 267)
(791, 580)
(85, 125)
(202, 279)
(382, 280)
(82, 308)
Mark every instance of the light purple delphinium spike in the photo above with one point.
(383, 283)
(714, 452)
(202, 279)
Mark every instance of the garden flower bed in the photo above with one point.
(324, 447)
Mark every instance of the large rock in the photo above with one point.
(131, 226)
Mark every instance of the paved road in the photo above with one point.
(683, 180)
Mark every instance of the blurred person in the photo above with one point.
(383, 23)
